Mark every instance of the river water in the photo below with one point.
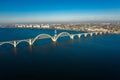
(96, 57)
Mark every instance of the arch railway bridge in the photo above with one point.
(53, 38)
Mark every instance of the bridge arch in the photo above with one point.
(41, 36)
(7, 43)
(63, 34)
(90, 34)
(94, 34)
(77, 35)
(85, 34)
(100, 33)
(81, 35)
(22, 41)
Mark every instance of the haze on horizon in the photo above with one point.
(25, 11)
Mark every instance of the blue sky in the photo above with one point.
(18, 11)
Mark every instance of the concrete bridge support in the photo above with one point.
(96, 33)
(71, 36)
(85, 35)
(79, 35)
(15, 44)
(105, 32)
(91, 34)
(100, 33)
(30, 42)
(108, 32)
(54, 39)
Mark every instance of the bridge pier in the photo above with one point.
(96, 33)
(108, 32)
(100, 33)
(85, 35)
(91, 34)
(15, 44)
(79, 35)
(71, 36)
(30, 42)
(54, 39)
(105, 32)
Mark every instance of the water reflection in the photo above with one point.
(15, 50)
(66, 43)
(38, 47)
(79, 39)
(30, 48)
(54, 44)
(46, 47)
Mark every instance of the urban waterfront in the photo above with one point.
(95, 57)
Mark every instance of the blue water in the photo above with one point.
(96, 57)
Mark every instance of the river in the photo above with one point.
(96, 57)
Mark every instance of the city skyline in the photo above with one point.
(20, 11)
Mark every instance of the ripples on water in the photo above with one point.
(96, 57)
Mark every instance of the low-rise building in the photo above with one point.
(45, 26)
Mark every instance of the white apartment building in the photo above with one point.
(20, 25)
(29, 26)
(45, 26)
(36, 26)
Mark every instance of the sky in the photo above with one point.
(26, 11)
